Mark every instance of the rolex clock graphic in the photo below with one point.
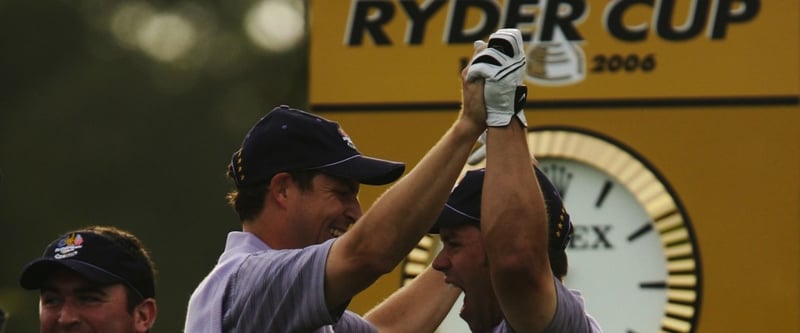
(633, 254)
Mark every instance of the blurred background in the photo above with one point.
(125, 113)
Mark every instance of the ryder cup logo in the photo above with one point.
(556, 62)
(68, 246)
(555, 30)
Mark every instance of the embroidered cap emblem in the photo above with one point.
(68, 246)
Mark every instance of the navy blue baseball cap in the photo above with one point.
(288, 139)
(464, 207)
(95, 257)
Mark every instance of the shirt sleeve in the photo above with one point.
(353, 323)
(570, 313)
(279, 291)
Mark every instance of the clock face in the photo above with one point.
(611, 230)
(633, 255)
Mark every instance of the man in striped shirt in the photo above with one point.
(306, 249)
(504, 229)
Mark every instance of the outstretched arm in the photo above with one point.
(405, 212)
(418, 307)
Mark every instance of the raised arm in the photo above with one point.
(514, 222)
(420, 306)
(403, 214)
(514, 226)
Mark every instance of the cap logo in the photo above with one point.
(560, 225)
(239, 165)
(346, 138)
(69, 246)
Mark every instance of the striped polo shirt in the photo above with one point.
(570, 314)
(254, 288)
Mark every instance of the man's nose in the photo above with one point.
(353, 210)
(68, 314)
(441, 262)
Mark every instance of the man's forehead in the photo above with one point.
(64, 279)
(351, 184)
(463, 230)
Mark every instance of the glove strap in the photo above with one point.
(520, 97)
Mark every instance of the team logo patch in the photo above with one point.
(69, 246)
(346, 138)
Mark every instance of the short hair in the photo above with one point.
(134, 247)
(248, 201)
(558, 262)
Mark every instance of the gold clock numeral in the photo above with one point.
(676, 325)
(418, 259)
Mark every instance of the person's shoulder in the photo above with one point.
(563, 291)
(352, 322)
(503, 327)
(264, 258)
(571, 315)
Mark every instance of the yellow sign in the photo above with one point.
(377, 54)
(716, 89)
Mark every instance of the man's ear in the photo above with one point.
(279, 187)
(144, 315)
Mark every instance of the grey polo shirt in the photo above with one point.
(254, 288)
(570, 314)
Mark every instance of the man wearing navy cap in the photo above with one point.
(504, 229)
(466, 264)
(306, 248)
(96, 279)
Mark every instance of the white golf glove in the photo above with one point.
(502, 65)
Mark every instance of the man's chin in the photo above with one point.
(465, 312)
(474, 315)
